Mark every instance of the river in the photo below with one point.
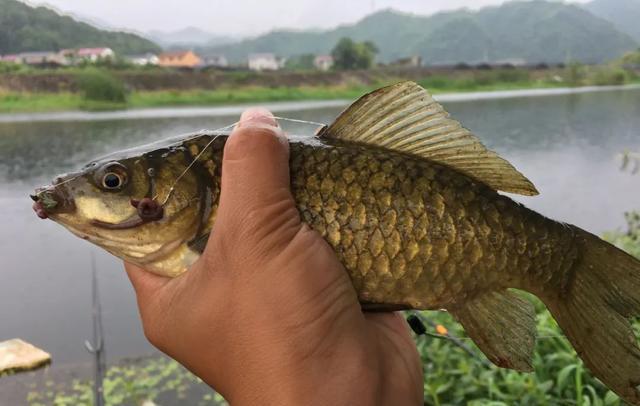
(566, 144)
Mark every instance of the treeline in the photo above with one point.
(24, 28)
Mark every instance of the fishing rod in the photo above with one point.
(97, 347)
(416, 321)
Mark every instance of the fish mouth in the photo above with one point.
(51, 200)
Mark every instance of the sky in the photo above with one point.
(242, 17)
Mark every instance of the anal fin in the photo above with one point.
(503, 326)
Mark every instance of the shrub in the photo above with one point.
(101, 86)
(574, 74)
(609, 76)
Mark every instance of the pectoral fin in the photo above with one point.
(503, 326)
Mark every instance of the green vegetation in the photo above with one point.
(300, 62)
(630, 239)
(132, 383)
(536, 31)
(101, 86)
(100, 89)
(25, 28)
(631, 58)
(350, 55)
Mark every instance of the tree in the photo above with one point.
(348, 54)
(300, 62)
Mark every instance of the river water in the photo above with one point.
(566, 144)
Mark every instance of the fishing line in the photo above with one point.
(172, 188)
(294, 120)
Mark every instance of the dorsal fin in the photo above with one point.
(405, 118)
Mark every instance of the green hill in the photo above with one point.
(536, 31)
(624, 14)
(25, 28)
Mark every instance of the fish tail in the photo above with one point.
(594, 312)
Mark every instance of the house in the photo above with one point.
(143, 60)
(45, 58)
(215, 61)
(323, 62)
(265, 61)
(11, 58)
(94, 54)
(414, 61)
(179, 59)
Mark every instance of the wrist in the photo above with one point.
(348, 379)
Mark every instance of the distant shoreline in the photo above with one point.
(115, 90)
(281, 106)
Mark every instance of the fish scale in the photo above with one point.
(410, 243)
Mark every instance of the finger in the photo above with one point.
(257, 211)
(256, 159)
(144, 282)
(393, 322)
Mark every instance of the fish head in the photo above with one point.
(142, 207)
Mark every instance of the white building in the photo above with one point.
(143, 60)
(323, 62)
(95, 54)
(46, 58)
(265, 61)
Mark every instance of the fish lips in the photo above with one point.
(52, 200)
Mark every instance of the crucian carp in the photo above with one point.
(409, 200)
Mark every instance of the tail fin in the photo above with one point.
(594, 314)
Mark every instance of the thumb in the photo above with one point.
(256, 158)
(255, 198)
(145, 283)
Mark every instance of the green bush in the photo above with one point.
(10, 67)
(100, 86)
(512, 75)
(630, 239)
(574, 74)
(609, 76)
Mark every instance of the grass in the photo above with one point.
(101, 91)
(14, 102)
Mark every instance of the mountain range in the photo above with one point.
(624, 14)
(533, 31)
(188, 37)
(25, 28)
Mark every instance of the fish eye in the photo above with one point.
(113, 177)
(112, 181)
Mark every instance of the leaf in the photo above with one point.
(563, 375)
(611, 399)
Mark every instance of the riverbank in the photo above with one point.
(14, 102)
(278, 107)
(64, 91)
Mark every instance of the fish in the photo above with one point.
(413, 205)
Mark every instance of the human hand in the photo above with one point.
(268, 315)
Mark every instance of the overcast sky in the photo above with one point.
(242, 17)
